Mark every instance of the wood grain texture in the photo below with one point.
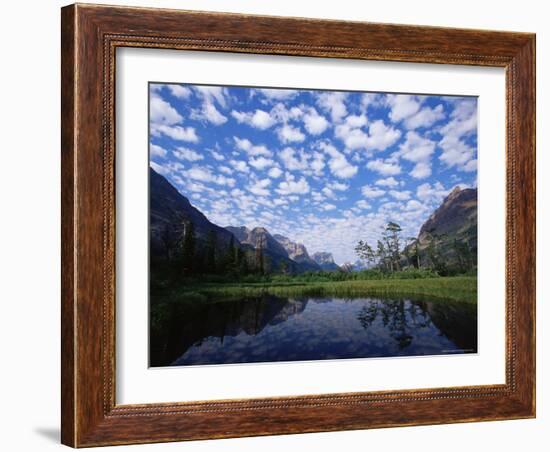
(90, 36)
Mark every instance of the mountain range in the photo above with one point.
(170, 211)
(452, 227)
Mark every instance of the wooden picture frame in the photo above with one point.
(90, 36)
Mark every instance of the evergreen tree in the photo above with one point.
(210, 257)
(188, 248)
(365, 252)
(230, 258)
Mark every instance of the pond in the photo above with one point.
(270, 329)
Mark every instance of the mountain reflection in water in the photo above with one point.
(267, 329)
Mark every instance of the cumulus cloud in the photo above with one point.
(425, 117)
(291, 186)
(187, 154)
(204, 174)
(275, 172)
(419, 150)
(338, 164)
(293, 160)
(314, 123)
(362, 204)
(402, 106)
(370, 191)
(178, 133)
(434, 193)
(217, 156)
(157, 151)
(252, 150)
(288, 134)
(400, 195)
(260, 163)
(457, 153)
(213, 94)
(210, 114)
(416, 148)
(463, 123)
(387, 182)
(278, 94)
(384, 167)
(239, 166)
(162, 113)
(421, 170)
(259, 187)
(260, 119)
(179, 91)
(333, 103)
(379, 137)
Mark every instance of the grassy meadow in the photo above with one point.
(456, 288)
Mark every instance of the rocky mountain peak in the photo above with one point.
(456, 215)
(325, 261)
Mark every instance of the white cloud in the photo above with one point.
(278, 94)
(338, 164)
(294, 160)
(157, 151)
(259, 187)
(352, 138)
(434, 193)
(292, 186)
(421, 170)
(213, 93)
(187, 154)
(226, 170)
(288, 134)
(209, 113)
(205, 175)
(413, 204)
(240, 166)
(179, 91)
(314, 123)
(261, 163)
(253, 150)
(400, 195)
(456, 153)
(338, 186)
(402, 106)
(355, 121)
(219, 157)
(328, 192)
(426, 117)
(416, 148)
(260, 119)
(362, 204)
(159, 168)
(175, 132)
(162, 113)
(387, 182)
(463, 123)
(385, 168)
(317, 163)
(328, 206)
(470, 166)
(381, 136)
(372, 192)
(333, 103)
(274, 172)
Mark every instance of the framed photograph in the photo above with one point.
(281, 225)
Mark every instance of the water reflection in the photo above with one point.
(291, 329)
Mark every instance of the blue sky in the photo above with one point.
(324, 168)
